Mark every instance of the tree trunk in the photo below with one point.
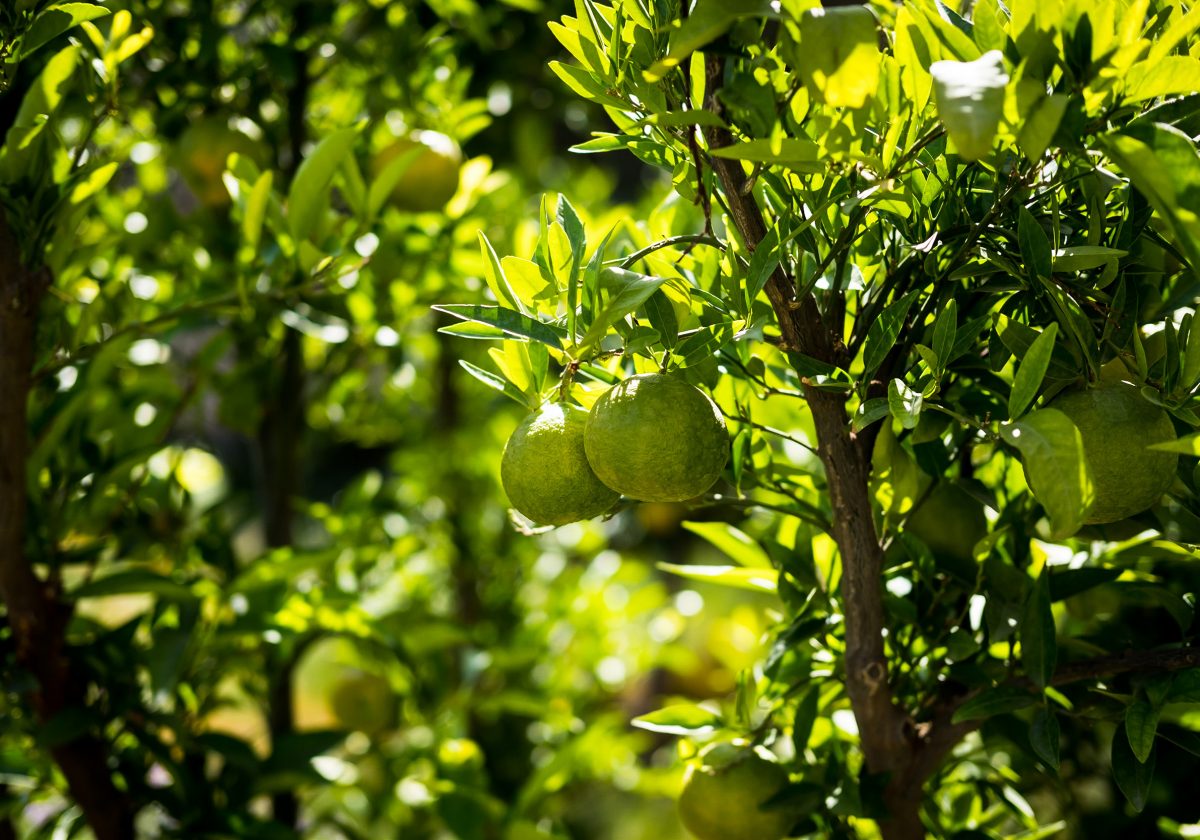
(888, 745)
(38, 619)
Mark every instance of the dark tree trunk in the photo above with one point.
(37, 617)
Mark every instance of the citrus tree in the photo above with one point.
(936, 264)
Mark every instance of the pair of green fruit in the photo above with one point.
(652, 437)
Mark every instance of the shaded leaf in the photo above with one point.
(1044, 735)
(1039, 646)
(507, 320)
(683, 719)
(1052, 453)
(994, 701)
(1132, 776)
(1031, 372)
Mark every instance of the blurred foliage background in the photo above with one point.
(270, 491)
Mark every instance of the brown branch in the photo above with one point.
(1130, 662)
(888, 740)
(36, 615)
(941, 734)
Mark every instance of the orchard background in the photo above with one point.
(260, 577)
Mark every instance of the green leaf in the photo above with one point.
(1164, 165)
(801, 155)
(905, 403)
(566, 216)
(1052, 452)
(883, 332)
(510, 322)
(702, 344)
(1066, 583)
(1141, 721)
(735, 543)
(385, 182)
(673, 119)
(758, 580)
(662, 318)
(627, 290)
(309, 193)
(994, 701)
(870, 412)
(1044, 736)
(1038, 128)
(1083, 257)
(55, 21)
(838, 54)
(1035, 246)
(1031, 372)
(944, 329)
(806, 717)
(1187, 445)
(970, 101)
(1185, 688)
(683, 719)
(500, 384)
(497, 280)
(1133, 777)
(708, 20)
(763, 262)
(91, 181)
(256, 210)
(1039, 647)
(134, 581)
(1166, 76)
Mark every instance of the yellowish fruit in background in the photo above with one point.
(1117, 426)
(202, 152)
(950, 521)
(722, 795)
(364, 702)
(656, 438)
(545, 471)
(430, 178)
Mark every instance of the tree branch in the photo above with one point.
(1130, 662)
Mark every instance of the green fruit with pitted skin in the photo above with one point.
(1117, 426)
(364, 702)
(950, 521)
(722, 801)
(545, 471)
(655, 438)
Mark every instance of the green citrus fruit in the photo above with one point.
(430, 178)
(364, 702)
(722, 801)
(201, 154)
(545, 471)
(655, 438)
(949, 521)
(1117, 425)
